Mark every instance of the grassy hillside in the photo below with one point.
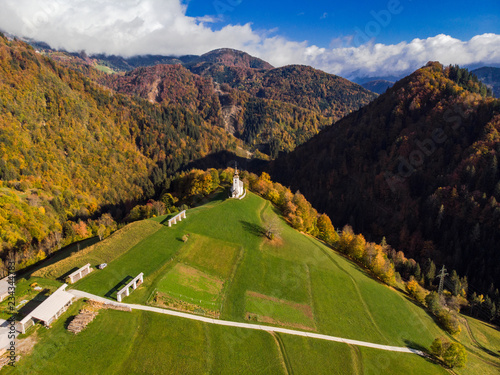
(148, 343)
(228, 269)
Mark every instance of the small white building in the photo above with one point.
(237, 190)
(49, 310)
(4, 288)
(80, 273)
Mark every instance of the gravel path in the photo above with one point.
(81, 294)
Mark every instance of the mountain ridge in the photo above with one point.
(491, 77)
(388, 168)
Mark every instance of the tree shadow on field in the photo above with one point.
(413, 345)
(252, 228)
(118, 286)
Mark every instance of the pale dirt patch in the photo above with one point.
(306, 309)
(277, 241)
(164, 300)
(267, 319)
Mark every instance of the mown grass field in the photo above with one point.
(105, 251)
(139, 342)
(227, 268)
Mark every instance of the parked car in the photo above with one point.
(102, 266)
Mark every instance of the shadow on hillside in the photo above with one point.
(252, 228)
(58, 255)
(118, 286)
(169, 216)
(486, 350)
(224, 159)
(429, 358)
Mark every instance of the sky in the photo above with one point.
(352, 39)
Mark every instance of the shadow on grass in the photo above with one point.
(58, 255)
(486, 350)
(118, 286)
(427, 356)
(252, 228)
(68, 321)
(167, 218)
(413, 345)
(63, 277)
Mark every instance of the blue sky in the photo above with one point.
(321, 22)
(352, 39)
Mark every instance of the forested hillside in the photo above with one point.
(303, 86)
(267, 125)
(271, 110)
(69, 146)
(73, 149)
(418, 166)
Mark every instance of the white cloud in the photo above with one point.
(131, 27)
(381, 60)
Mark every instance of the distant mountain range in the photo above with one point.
(490, 77)
(378, 86)
(270, 109)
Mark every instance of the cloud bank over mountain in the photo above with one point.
(135, 27)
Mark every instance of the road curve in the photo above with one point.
(81, 294)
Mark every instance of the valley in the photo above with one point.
(332, 268)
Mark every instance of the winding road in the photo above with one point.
(81, 294)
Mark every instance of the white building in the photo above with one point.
(237, 190)
(4, 288)
(49, 310)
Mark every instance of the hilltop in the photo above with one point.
(231, 57)
(419, 166)
(230, 270)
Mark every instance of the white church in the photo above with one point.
(237, 190)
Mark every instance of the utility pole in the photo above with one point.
(441, 275)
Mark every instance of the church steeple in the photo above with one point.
(237, 190)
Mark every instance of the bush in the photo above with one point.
(448, 321)
(432, 301)
(455, 355)
(416, 291)
(436, 348)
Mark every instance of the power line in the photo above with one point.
(441, 275)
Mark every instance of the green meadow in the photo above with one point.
(140, 342)
(228, 269)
